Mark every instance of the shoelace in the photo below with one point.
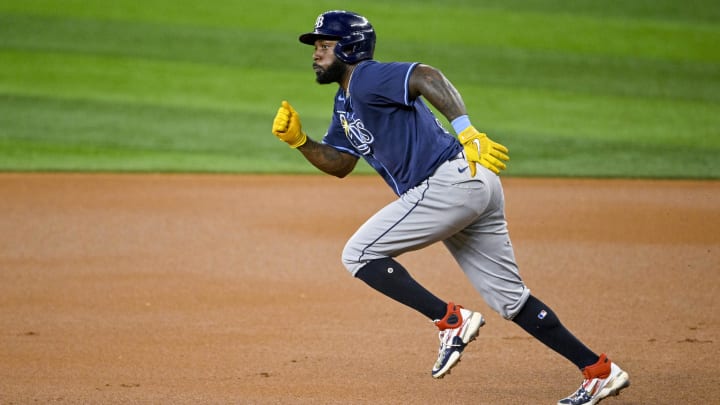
(582, 393)
(444, 344)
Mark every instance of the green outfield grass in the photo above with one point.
(573, 88)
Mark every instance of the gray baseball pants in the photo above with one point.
(466, 214)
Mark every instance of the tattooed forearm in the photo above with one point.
(430, 83)
(328, 159)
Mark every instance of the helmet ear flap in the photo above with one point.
(356, 47)
(339, 51)
(344, 51)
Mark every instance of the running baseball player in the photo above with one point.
(448, 190)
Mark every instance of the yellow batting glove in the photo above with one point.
(287, 126)
(481, 149)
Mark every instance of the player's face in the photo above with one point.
(328, 68)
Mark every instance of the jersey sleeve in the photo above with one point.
(385, 83)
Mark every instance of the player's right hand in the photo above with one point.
(481, 149)
(287, 126)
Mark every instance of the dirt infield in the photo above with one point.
(229, 289)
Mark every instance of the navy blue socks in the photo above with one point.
(390, 278)
(541, 322)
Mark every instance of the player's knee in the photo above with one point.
(356, 255)
(509, 303)
(350, 260)
(351, 266)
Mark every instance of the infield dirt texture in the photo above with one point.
(118, 289)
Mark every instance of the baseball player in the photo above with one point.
(448, 190)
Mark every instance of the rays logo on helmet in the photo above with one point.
(319, 21)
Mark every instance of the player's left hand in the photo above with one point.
(481, 149)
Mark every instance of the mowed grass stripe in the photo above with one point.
(240, 47)
(149, 81)
(220, 141)
(195, 138)
(655, 28)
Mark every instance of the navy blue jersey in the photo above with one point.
(400, 138)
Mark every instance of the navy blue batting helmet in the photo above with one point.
(354, 33)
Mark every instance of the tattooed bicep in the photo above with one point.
(430, 83)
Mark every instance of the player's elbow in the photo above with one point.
(341, 175)
(334, 171)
